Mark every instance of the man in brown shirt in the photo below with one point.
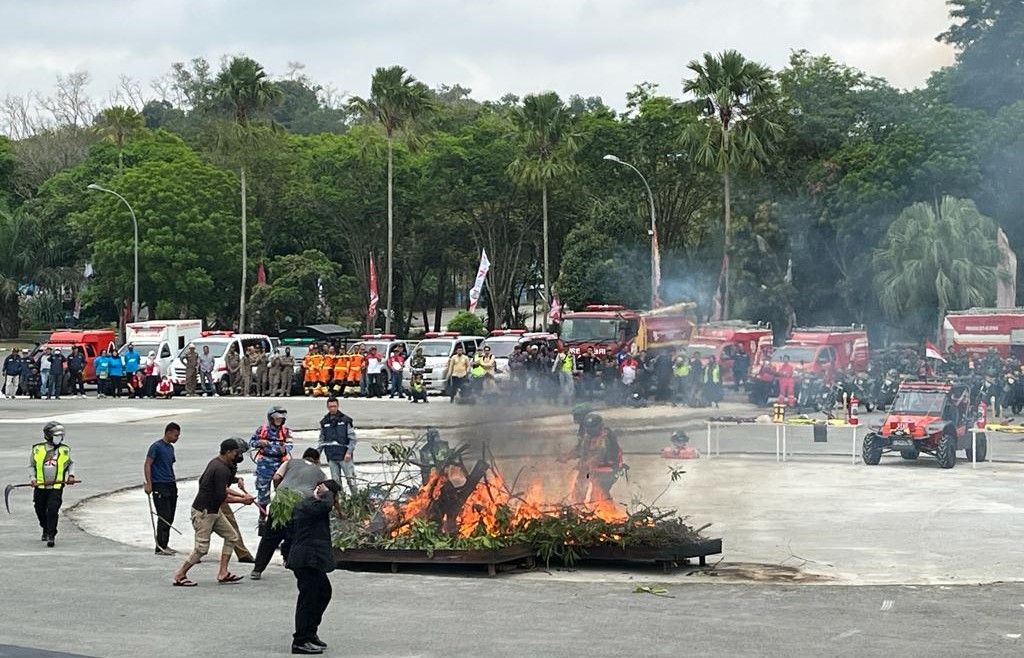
(215, 490)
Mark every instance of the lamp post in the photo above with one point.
(135, 227)
(655, 274)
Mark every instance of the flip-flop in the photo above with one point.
(184, 582)
(230, 579)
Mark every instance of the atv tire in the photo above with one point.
(982, 448)
(911, 454)
(946, 453)
(872, 450)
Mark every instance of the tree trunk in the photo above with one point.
(442, 279)
(725, 253)
(391, 233)
(547, 280)
(10, 317)
(245, 263)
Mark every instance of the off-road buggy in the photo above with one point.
(930, 417)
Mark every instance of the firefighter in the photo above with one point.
(272, 442)
(713, 382)
(341, 365)
(52, 468)
(357, 362)
(786, 382)
(307, 370)
(599, 459)
(579, 414)
(433, 454)
(326, 377)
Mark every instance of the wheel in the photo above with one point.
(872, 451)
(946, 454)
(982, 448)
(910, 454)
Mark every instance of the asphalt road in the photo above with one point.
(95, 597)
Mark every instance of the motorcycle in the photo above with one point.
(887, 388)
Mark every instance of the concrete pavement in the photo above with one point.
(98, 597)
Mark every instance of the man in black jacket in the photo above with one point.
(12, 374)
(76, 368)
(338, 443)
(311, 558)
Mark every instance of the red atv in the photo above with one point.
(929, 417)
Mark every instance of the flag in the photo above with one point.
(655, 271)
(1006, 273)
(718, 310)
(261, 275)
(478, 285)
(371, 313)
(932, 352)
(555, 314)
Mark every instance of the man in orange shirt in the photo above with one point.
(355, 369)
(327, 369)
(310, 365)
(341, 365)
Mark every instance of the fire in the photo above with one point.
(445, 499)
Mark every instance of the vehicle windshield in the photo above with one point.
(501, 347)
(796, 354)
(439, 348)
(701, 351)
(217, 348)
(919, 403)
(298, 351)
(595, 329)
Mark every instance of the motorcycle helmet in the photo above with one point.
(276, 412)
(580, 411)
(679, 438)
(54, 432)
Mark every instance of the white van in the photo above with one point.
(219, 343)
(437, 349)
(163, 337)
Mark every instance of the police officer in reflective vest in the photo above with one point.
(52, 469)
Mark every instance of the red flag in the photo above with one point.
(718, 310)
(261, 275)
(371, 314)
(932, 352)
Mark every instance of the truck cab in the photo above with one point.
(437, 348)
(165, 338)
(607, 328)
(92, 342)
(727, 340)
(824, 351)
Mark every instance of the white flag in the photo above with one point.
(478, 286)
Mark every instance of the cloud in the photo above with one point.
(589, 47)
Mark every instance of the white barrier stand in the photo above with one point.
(853, 444)
(783, 443)
(778, 441)
(708, 453)
(974, 447)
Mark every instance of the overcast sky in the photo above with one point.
(589, 47)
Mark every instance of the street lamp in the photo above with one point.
(135, 226)
(655, 274)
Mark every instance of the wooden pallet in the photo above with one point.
(492, 559)
(667, 557)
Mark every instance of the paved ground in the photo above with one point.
(97, 597)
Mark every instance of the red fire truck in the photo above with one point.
(725, 340)
(977, 330)
(823, 351)
(610, 329)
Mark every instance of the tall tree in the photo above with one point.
(735, 98)
(397, 101)
(245, 91)
(934, 260)
(117, 124)
(19, 260)
(547, 149)
(989, 38)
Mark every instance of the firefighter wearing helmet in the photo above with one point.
(272, 442)
(52, 469)
(599, 459)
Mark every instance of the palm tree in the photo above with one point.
(734, 97)
(117, 124)
(19, 258)
(245, 91)
(934, 260)
(547, 148)
(397, 101)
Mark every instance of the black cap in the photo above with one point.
(229, 444)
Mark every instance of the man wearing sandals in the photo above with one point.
(215, 490)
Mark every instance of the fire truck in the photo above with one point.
(725, 340)
(610, 329)
(977, 330)
(824, 351)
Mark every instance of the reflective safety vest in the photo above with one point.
(682, 369)
(567, 364)
(713, 375)
(355, 367)
(478, 369)
(341, 367)
(39, 451)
